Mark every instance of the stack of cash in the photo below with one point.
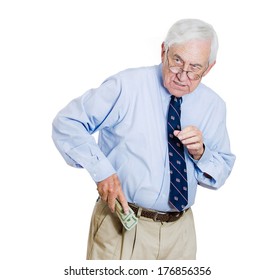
(128, 220)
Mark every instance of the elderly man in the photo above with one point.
(161, 134)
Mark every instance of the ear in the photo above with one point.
(209, 68)
(162, 52)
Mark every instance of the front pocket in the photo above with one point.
(108, 236)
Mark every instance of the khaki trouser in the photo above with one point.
(148, 240)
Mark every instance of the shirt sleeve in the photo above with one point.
(74, 125)
(217, 161)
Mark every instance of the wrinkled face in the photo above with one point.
(184, 65)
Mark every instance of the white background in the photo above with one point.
(53, 51)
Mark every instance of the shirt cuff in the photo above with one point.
(100, 171)
(204, 167)
(205, 159)
(98, 165)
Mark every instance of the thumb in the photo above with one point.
(176, 132)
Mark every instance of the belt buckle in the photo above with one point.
(156, 215)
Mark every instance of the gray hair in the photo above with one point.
(187, 29)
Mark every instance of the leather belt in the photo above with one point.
(155, 215)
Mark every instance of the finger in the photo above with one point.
(194, 147)
(189, 128)
(176, 132)
(123, 202)
(103, 193)
(186, 138)
(182, 135)
(112, 202)
(192, 140)
(189, 135)
(112, 194)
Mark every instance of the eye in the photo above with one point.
(195, 68)
(178, 60)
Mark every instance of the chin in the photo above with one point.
(179, 93)
(177, 90)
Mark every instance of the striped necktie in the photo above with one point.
(178, 176)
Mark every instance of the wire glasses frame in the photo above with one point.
(179, 70)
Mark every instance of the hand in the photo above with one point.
(191, 137)
(109, 190)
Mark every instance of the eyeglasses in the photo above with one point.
(179, 70)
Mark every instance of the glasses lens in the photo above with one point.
(193, 76)
(176, 70)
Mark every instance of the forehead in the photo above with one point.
(194, 51)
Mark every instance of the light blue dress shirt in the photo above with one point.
(129, 110)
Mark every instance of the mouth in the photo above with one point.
(180, 85)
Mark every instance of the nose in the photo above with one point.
(183, 76)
